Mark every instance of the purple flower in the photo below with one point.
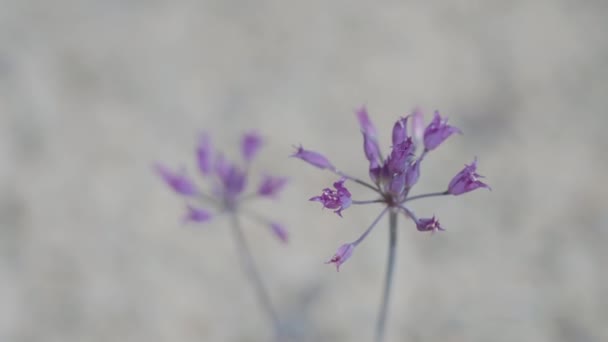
(196, 215)
(250, 145)
(343, 253)
(313, 158)
(271, 186)
(437, 132)
(466, 180)
(394, 177)
(178, 181)
(204, 154)
(429, 225)
(228, 182)
(279, 231)
(338, 199)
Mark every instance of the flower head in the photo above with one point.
(437, 132)
(228, 182)
(343, 253)
(466, 180)
(338, 199)
(394, 177)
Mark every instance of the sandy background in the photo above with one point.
(92, 92)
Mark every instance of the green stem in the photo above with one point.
(390, 266)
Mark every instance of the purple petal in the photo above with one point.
(271, 186)
(280, 232)
(412, 174)
(313, 158)
(250, 145)
(204, 154)
(400, 131)
(367, 127)
(197, 215)
(429, 225)
(178, 181)
(437, 132)
(417, 126)
(344, 253)
(466, 180)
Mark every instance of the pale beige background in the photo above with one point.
(92, 92)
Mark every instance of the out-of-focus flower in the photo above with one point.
(279, 231)
(228, 182)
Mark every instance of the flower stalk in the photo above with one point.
(388, 280)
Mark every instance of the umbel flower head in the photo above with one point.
(227, 181)
(392, 178)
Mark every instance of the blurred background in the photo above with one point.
(93, 92)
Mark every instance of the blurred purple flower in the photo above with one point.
(228, 182)
(279, 231)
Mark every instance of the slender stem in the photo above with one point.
(390, 266)
(432, 194)
(379, 200)
(368, 230)
(357, 180)
(409, 213)
(250, 268)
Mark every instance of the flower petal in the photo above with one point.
(250, 145)
(178, 181)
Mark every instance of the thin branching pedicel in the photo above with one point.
(227, 186)
(392, 179)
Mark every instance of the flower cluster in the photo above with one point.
(393, 177)
(228, 181)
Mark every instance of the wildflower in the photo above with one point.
(392, 180)
(466, 180)
(228, 183)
